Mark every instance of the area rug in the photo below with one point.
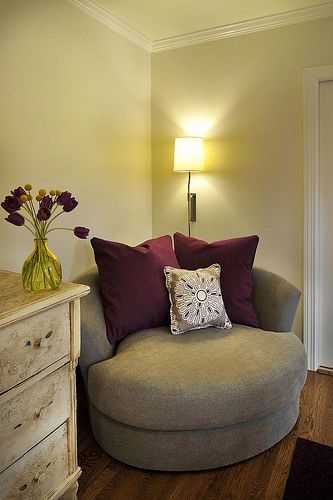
(311, 472)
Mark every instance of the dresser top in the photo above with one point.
(16, 303)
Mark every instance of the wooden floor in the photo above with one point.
(261, 477)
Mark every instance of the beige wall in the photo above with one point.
(244, 95)
(74, 114)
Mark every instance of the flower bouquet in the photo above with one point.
(42, 269)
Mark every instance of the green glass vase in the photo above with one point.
(42, 269)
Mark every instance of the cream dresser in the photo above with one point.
(39, 349)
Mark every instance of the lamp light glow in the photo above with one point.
(189, 154)
(189, 157)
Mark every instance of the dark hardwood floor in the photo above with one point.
(261, 477)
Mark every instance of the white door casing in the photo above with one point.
(312, 79)
(326, 226)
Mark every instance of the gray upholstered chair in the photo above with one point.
(199, 400)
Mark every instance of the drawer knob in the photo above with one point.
(41, 413)
(42, 343)
(39, 477)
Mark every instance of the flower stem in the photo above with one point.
(62, 228)
(51, 220)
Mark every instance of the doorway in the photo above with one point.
(318, 223)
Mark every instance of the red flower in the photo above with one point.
(38, 218)
(81, 232)
(70, 205)
(43, 214)
(64, 197)
(16, 219)
(11, 204)
(18, 192)
(46, 202)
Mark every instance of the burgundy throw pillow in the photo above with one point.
(235, 257)
(132, 284)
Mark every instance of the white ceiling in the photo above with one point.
(160, 19)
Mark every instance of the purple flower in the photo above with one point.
(64, 198)
(70, 205)
(18, 192)
(43, 214)
(81, 232)
(15, 218)
(46, 202)
(11, 204)
(39, 214)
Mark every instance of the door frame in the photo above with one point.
(312, 77)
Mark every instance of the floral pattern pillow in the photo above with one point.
(196, 299)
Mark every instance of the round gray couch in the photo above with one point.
(199, 400)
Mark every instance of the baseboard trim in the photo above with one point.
(325, 370)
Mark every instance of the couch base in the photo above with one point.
(192, 450)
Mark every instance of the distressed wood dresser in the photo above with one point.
(39, 349)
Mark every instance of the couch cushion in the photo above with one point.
(196, 299)
(236, 257)
(211, 379)
(131, 280)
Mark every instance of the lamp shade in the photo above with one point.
(189, 154)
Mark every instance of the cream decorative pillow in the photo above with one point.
(196, 299)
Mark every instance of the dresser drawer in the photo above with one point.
(31, 344)
(34, 413)
(38, 472)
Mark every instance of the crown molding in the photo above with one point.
(102, 15)
(253, 25)
(105, 17)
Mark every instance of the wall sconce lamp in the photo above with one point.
(189, 157)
